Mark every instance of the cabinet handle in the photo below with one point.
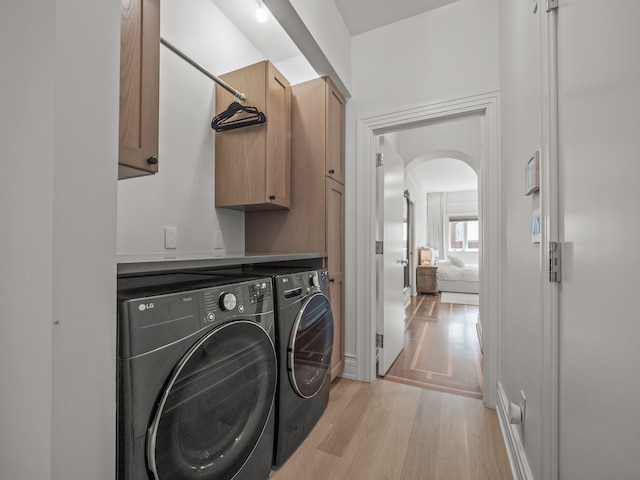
(272, 197)
(332, 171)
(332, 280)
(152, 160)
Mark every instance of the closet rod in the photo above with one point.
(240, 96)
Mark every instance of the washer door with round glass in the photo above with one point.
(311, 346)
(215, 406)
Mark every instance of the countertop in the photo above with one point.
(155, 263)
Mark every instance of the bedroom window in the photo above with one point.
(463, 234)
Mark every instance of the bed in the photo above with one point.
(453, 275)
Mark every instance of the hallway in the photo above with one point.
(388, 430)
(395, 430)
(441, 348)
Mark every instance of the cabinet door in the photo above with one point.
(335, 264)
(253, 163)
(336, 291)
(278, 165)
(240, 161)
(334, 132)
(139, 93)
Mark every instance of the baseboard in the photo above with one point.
(515, 449)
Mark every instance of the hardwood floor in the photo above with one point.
(387, 430)
(441, 348)
(393, 431)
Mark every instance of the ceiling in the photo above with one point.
(359, 16)
(268, 37)
(363, 15)
(445, 175)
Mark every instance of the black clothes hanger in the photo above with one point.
(244, 116)
(237, 116)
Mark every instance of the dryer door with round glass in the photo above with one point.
(311, 345)
(215, 406)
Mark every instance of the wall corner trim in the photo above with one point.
(350, 367)
(513, 442)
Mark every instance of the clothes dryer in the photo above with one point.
(304, 343)
(304, 339)
(197, 376)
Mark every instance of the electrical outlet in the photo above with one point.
(523, 408)
(170, 237)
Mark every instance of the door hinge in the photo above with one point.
(379, 159)
(552, 5)
(555, 262)
(379, 248)
(379, 341)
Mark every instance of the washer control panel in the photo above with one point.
(158, 310)
(227, 301)
(250, 298)
(294, 287)
(259, 291)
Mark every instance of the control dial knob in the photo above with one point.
(313, 281)
(227, 301)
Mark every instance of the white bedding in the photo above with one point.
(451, 278)
(448, 271)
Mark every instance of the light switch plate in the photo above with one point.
(218, 240)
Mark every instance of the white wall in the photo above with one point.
(448, 53)
(27, 120)
(181, 194)
(520, 333)
(59, 173)
(419, 199)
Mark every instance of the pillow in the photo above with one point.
(456, 261)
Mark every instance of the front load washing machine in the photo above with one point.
(197, 375)
(304, 341)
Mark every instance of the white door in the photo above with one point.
(391, 314)
(599, 125)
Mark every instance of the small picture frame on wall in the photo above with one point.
(536, 226)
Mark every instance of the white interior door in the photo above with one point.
(599, 121)
(391, 314)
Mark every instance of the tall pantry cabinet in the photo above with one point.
(315, 220)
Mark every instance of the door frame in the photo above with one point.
(368, 126)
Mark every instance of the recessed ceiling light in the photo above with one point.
(261, 13)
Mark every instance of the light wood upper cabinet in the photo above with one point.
(253, 164)
(139, 92)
